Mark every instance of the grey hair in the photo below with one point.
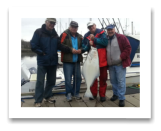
(46, 21)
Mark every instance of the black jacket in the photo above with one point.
(45, 42)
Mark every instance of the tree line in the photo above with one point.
(25, 44)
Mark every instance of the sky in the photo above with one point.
(29, 25)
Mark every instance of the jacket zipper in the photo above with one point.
(110, 51)
(50, 49)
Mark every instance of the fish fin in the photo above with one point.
(88, 94)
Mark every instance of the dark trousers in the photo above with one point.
(40, 92)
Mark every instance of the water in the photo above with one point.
(29, 61)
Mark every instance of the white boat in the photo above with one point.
(28, 79)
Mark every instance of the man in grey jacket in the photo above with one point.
(118, 58)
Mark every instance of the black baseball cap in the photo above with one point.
(73, 23)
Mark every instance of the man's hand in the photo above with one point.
(91, 43)
(79, 51)
(120, 59)
(74, 51)
(91, 36)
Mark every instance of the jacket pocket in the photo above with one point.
(116, 61)
(44, 59)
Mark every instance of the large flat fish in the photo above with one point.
(90, 70)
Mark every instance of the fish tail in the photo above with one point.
(88, 94)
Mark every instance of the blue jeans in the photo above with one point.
(69, 70)
(118, 80)
(40, 92)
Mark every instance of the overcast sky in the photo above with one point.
(29, 25)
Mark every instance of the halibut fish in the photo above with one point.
(90, 70)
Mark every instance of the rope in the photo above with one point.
(133, 87)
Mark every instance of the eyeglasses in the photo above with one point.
(109, 29)
(89, 27)
(52, 23)
(74, 27)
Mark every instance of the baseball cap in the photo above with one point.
(51, 19)
(73, 23)
(110, 26)
(90, 24)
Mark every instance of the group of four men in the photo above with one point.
(113, 51)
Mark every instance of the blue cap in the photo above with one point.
(110, 26)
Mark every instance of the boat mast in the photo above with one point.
(116, 26)
(121, 25)
(69, 21)
(126, 24)
(104, 21)
(60, 25)
(132, 28)
(108, 21)
(101, 24)
(57, 27)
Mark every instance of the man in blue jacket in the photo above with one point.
(45, 43)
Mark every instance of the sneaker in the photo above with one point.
(102, 99)
(37, 104)
(69, 97)
(114, 97)
(78, 97)
(50, 100)
(92, 98)
(121, 103)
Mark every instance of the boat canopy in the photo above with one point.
(134, 42)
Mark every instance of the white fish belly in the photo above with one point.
(90, 69)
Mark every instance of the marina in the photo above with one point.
(29, 77)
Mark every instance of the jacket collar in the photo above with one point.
(69, 33)
(52, 33)
(112, 36)
(117, 35)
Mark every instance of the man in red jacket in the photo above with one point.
(97, 38)
(118, 58)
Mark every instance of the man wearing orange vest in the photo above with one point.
(97, 38)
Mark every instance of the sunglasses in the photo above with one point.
(52, 23)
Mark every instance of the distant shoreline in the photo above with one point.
(26, 50)
(29, 51)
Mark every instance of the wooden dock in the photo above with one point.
(132, 100)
